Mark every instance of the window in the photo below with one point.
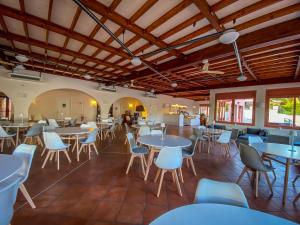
(283, 108)
(235, 107)
(5, 108)
(204, 109)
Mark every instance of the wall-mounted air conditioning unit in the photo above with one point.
(105, 88)
(26, 75)
(149, 95)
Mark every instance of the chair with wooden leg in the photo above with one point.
(216, 192)
(55, 145)
(25, 152)
(4, 136)
(255, 139)
(33, 134)
(201, 138)
(254, 163)
(53, 123)
(89, 142)
(168, 160)
(224, 142)
(136, 151)
(234, 137)
(188, 153)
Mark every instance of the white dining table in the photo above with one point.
(9, 165)
(215, 214)
(156, 142)
(17, 126)
(283, 151)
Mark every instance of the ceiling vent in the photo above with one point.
(105, 88)
(26, 75)
(149, 95)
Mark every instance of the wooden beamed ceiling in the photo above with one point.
(61, 39)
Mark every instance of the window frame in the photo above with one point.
(207, 108)
(281, 93)
(233, 96)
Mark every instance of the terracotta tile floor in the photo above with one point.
(97, 192)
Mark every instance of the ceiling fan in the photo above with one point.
(132, 85)
(205, 68)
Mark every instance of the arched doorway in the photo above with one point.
(132, 107)
(61, 103)
(6, 108)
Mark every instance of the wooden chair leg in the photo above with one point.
(142, 165)
(13, 141)
(157, 174)
(193, 166)
(160, 182)
(57, 155)
(269, 183)
(130, 163)
(242, 174)
(25, 140)
(297, 198)
(2, 145)
(27, 196)
(181, 176)
(256, 183)
(187, 163)
(95, 148)
(67, 155)
(46, 159)
(79, 151)
(177, 182)
(52, 155)
(89, 146)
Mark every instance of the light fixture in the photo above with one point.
(136, 61)
(241, 77)
(174, 84)
(152, 90)
(20, 67)
(229, 36)
(130, 105)
(22, 58)
(87, 76)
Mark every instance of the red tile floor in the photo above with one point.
(97, 191)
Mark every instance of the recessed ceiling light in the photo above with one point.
(20, 67)
(229, 36)
(22, 58)
(136, 61)
(87, 76)
(242, 77)
(174, 84)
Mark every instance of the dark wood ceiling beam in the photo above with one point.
(297, 69)
(58, 49)
(37, 21)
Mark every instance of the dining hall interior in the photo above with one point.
(131, 112)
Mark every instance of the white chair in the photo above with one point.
(92, 124)
(4, 136)
(188, 154)
(168, 160)
(224, 142)
(144, 130)
(55, 145)
(52, 122)
(42, 121)
(141, 122)
(89, 142)
(156, 132)
(110, 131)
(25, 152)
(136, 151)
(210, 191)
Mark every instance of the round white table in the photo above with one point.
(17, 126)
(9, 165)
(156, 142)
(213, 214)
(283, 151)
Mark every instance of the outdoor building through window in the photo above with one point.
(235, 108)
(283, 108)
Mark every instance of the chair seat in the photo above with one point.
(140, 150)
(8, 136)
(210, 191)
(62, 148)
(187, 152)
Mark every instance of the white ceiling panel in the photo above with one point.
(74, 45)
(102, 54)
(127, 8)
(52, 54)
(79, 61)
(63, 12)
(11, 3)
(56, 39)
(38, 50)
(37, 33)
(37, 8)
(14, 26)
(89, 50)
(20, 45)
(85, 24)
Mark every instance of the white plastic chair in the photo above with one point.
(89, 142)
(25, 152)
(156, 132)
(144, 130)
(5, 136)
(168, 160)
(210, 191)
(92, 124)
(55, 145)
(52, 122)
(224, 141)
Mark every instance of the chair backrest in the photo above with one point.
(131, 141)
(53, 141)
(42, 121)
(169, 158)
(35, 129)
(198, 132)
(92, 136)
(225, 137)
(3, 132)
(251, 158)
(234, 134)
(52, 122)
(73, 122)
(254, 139)
(92, 124)
(85, 126)
(144, 130)
(156, 132)
(48, 128)
(67, 118)
(25, 152)
(8, 194)
(141, 122)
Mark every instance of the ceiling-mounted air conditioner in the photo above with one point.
(110, 88)
(26, 75)
(149, 95)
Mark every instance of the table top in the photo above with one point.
(168, 141)
(71, 131)
(213, 131)
(212, 214)
(17, 125)
(9, 165)
(137, 126)
(280, 150)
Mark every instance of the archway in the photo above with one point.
(61, 103)
(6, 108)
(128, 106)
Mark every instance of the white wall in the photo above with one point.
(22, 93)
(260, 104)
